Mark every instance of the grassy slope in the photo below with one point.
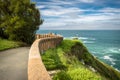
(71, 68)
(82, 53)
(7, 44)
(69, 57)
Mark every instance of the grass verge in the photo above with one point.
(7, 44)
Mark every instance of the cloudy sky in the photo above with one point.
(79, 14)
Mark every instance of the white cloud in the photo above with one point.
(58, 2)
(60, 17)
(87, 1)
(83, 22)
(62, 1)
(40, 6)
(72, 1)
(60, 11)
(110, 10)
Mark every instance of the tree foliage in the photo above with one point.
(19, 19)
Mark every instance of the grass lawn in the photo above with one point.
(7, 44)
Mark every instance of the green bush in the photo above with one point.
(19, 20)
(62, 76)
(82, 74)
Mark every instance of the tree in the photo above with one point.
(19, 20)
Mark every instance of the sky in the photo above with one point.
(79, 14)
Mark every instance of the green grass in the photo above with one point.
(52, 60)
(70, 66)
(69, 57)
(67, 44)
(7, 44)
(82, 74)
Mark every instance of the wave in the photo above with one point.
(81, 38)
(88, 42)
(86, 38)
(108, 57)
(117, 69)
(112, 50)
(67, 38)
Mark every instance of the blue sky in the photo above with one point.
(79, 14)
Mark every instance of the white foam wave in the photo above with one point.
(113, 63)
(81, 38)
(112, 50)
(117, 69)
(87, 38)
(66, 37)
(88, 42)
(107, 57)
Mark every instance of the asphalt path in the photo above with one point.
(14, 63)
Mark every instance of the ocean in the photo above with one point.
(104, 44)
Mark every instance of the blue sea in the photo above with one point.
(104, 44)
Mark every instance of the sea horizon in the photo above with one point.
(81, 29)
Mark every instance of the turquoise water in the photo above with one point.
(104, 44)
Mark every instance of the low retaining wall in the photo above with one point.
(36, 68)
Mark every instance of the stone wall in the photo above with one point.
(36, 68)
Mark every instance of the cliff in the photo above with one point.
(75, 62)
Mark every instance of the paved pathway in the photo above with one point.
(13, 64)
